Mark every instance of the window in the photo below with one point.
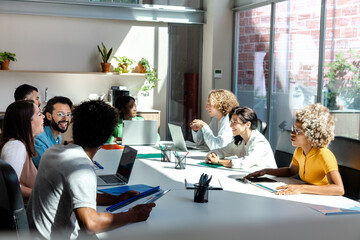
(342, 62)
(296, 81)
(253, 58)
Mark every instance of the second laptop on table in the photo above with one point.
(141, 132)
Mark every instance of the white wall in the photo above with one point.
(45, 43)
(217, 48)
(65, 44)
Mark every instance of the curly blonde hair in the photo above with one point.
(222, 100)
(317, 123)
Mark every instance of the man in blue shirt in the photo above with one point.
(57, 120)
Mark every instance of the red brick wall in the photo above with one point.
(342, 34)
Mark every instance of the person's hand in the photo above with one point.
(127, 195)
(289, 189)
(212, 158)
(140, 212)
(197, 124)
(256, 174)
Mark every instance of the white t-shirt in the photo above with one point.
(217, 134)
(66, 180)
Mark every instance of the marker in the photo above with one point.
(98, 165)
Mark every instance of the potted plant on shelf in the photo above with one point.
(151, 77)
(123, 64)
(143, 65)
(5, 58)
(105, 54)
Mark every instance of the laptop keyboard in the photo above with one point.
(111, 179)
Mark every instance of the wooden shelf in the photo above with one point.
(65, 72)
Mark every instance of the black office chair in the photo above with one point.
(261, 126)
(12, 210)
(347, 153)
(284, 149)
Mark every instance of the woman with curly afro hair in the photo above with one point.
(312, 132)
(218, 133)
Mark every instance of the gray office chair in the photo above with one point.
(12, 210)
(284, 150)
(261, 126)
(347, 153)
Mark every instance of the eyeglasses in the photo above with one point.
(296, 130)
(61, 114)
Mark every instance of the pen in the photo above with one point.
(98, 165)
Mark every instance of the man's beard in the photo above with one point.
(56, 127)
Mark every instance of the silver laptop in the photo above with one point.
(124, 169)
(142, 132)
(179, 141)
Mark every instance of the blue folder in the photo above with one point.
(130, 200)
(121, 189)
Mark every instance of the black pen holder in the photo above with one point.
(201, 193)
(180, 162)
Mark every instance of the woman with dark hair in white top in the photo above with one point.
(250, 148)
(22, 122)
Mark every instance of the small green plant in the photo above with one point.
(151, 77)
(7, 56)
(105, 54)
(124, 63)
(343, 77)
(145, 64)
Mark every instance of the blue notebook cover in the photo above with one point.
(121, 189)
(130, 200)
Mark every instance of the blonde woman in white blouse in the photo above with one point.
(217, 133)
(250, 149)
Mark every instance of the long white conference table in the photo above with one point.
(239, 211)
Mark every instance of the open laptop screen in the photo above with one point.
(126, 163)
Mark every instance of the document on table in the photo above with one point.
(267, 184)
(326, 210)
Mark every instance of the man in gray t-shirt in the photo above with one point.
(64, 197)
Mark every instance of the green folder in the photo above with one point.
(209, 165)
(148, 155)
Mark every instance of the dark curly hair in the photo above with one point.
(122, 104)
(93, 123)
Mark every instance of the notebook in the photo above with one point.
(142, 132)
(179, 141)
(123, 171)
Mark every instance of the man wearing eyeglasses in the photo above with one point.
(57, 119)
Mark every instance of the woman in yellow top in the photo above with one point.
(311, 134)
